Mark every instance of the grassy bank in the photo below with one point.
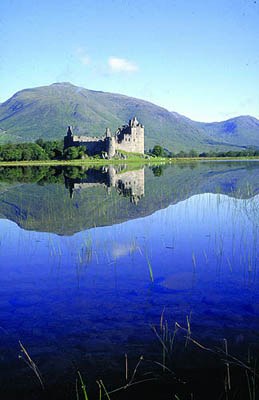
(131, 160)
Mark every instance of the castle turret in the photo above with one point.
(68, 139)
(69, 131)
(135, 122)
(107, 132)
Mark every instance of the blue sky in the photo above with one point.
(199, 58)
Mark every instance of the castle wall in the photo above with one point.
(93, 144)
(133, 142)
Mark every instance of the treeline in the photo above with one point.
(230, 153)
(22, 152)
(53, 150)
(40, 150)
(159, 151)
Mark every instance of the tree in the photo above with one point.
(53, 149)
(158, 150)
(182, 154)
(40, 142)
(73, 152)
(193, 153)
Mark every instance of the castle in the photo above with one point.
(128, 137)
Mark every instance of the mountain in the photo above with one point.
(47, 111)
(237, 131)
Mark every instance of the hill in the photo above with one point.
(45, 112)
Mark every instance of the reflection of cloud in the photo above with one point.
(179, 281)
(119, 250)
(82, 56)
(121, 65)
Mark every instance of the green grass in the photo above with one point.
(131, 160)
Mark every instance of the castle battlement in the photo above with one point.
(128, 137)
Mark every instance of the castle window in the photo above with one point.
(129, 140)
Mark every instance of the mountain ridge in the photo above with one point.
(46, 111)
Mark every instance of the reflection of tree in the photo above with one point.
(74, 172)
(158, 170)
(41, 175)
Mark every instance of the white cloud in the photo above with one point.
(82, 56)
(121, 65)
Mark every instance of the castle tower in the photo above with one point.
(68, 139)
(69, 131)
(107, 132)
(111, 147)
(136, 130)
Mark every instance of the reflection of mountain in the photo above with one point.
(102, 196)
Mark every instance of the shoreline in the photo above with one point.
(102, 162)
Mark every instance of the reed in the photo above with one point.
(31, 364)
(83, 387)
(149, 267)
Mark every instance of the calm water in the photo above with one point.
(91, 258)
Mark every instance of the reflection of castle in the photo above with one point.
(128, 184)
(129, 138)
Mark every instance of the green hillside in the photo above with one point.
(45, 112)
(237, 131)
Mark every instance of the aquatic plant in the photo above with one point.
(31, 364)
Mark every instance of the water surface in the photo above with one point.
(91, 258)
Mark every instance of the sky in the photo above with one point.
(199, 58)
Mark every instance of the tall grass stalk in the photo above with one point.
(82, 386)
(149, 267)
(31, 364)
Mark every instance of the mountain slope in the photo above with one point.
(47, 111)
(239, 130)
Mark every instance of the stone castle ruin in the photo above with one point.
(129, 184)
(129, 138)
